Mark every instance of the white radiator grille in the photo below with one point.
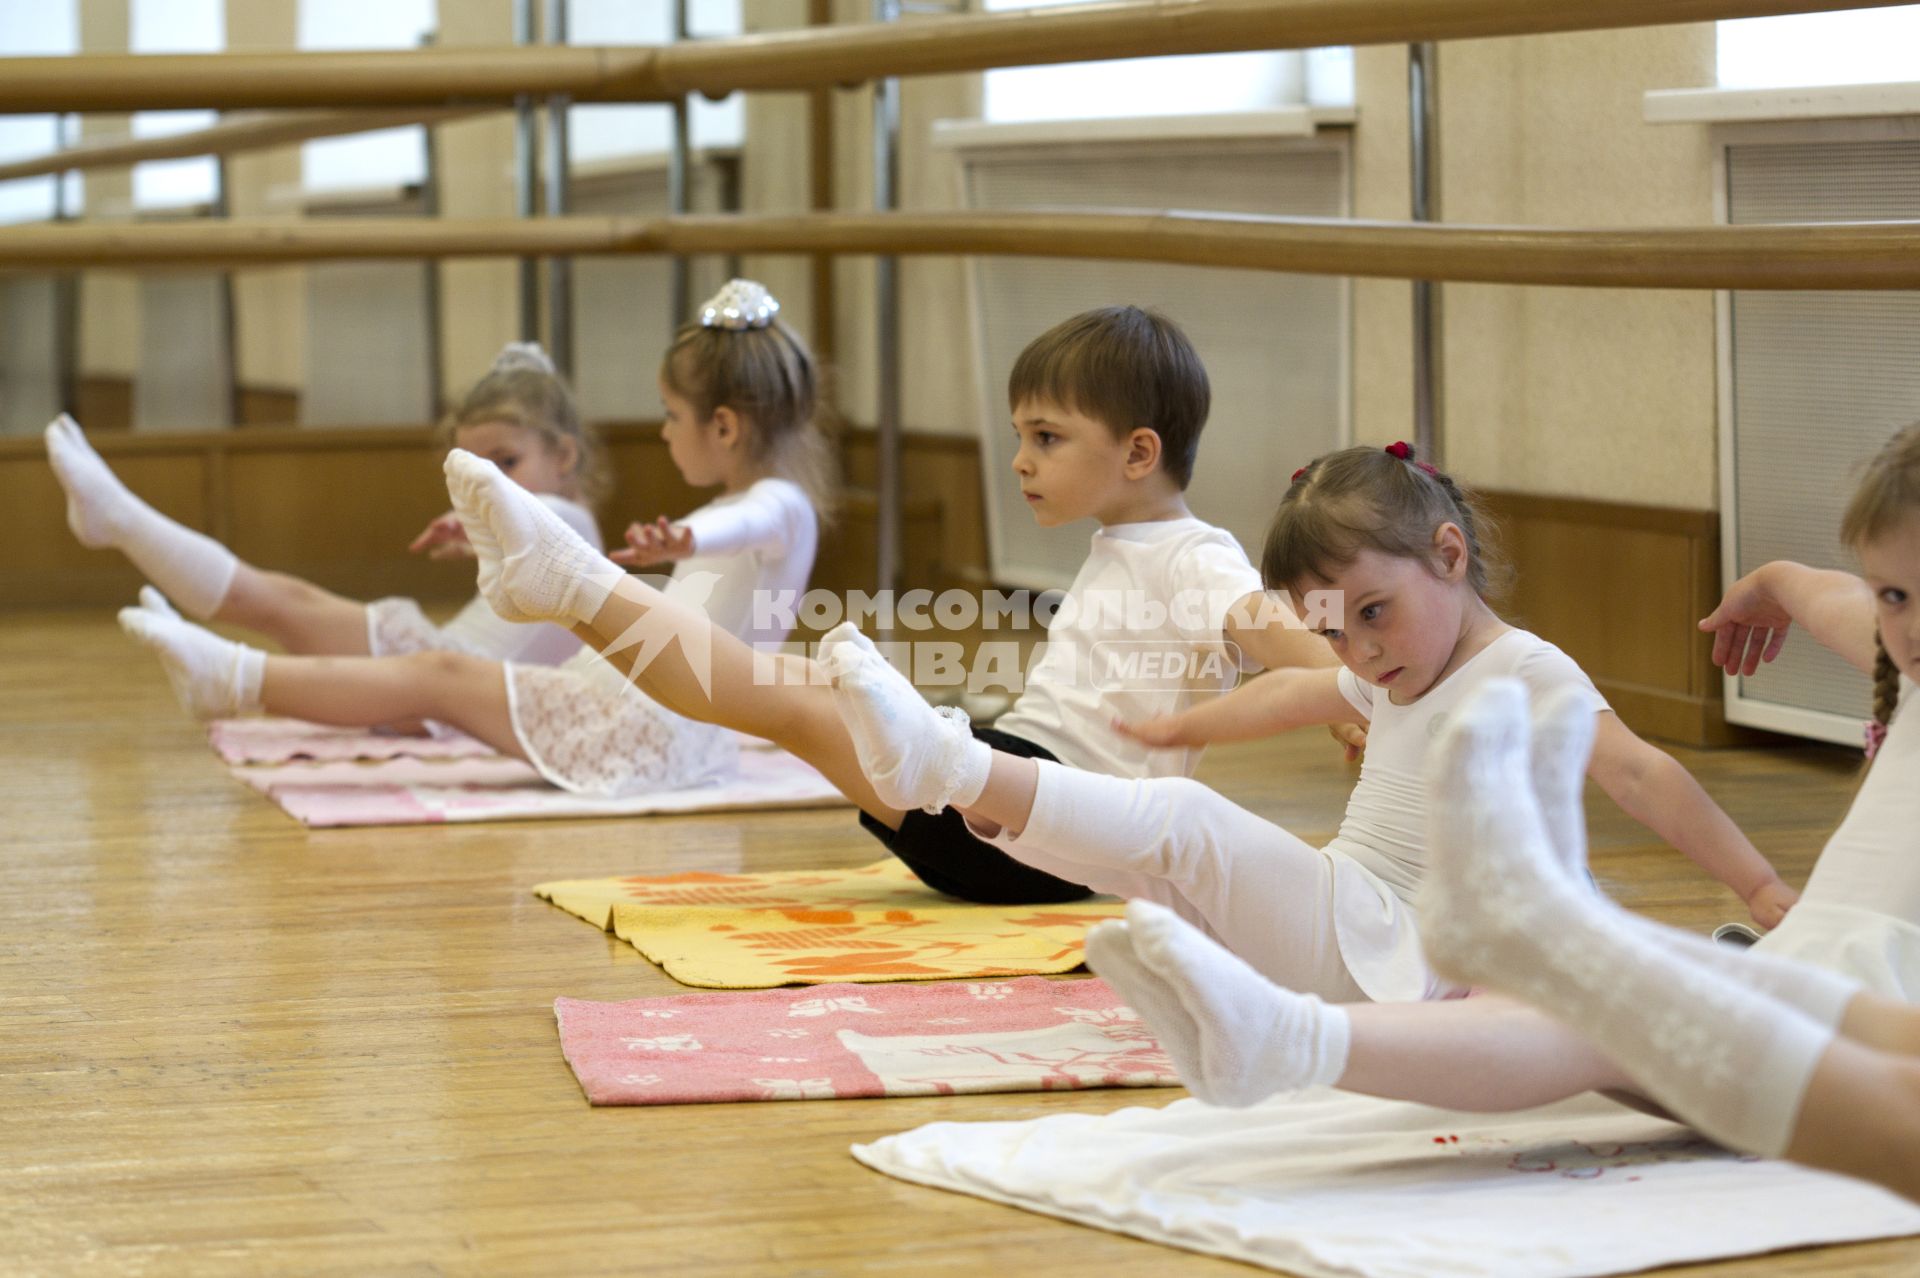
(1276, 346)
(1816, 382)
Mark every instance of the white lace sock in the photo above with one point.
(1236, 1037)
(213, 678)
(153, 601)
(915, 756)
(1497, 910)
(533, 567)
(1562, 730)
(103, 513)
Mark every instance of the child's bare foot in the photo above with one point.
(532, 566)
(915, 756)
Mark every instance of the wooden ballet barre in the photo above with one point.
(228, 137)
(817, 57)
(1883, 255)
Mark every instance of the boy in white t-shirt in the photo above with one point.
(1108, 407)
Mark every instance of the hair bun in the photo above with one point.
(523, 355)
(739, 305)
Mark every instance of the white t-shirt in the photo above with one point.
(762, 539)
(1140, 634)
(536, 644)
(1380, 852)
(1860, 914)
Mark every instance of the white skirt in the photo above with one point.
(1877, 950)
(591, 732)
(396, 627)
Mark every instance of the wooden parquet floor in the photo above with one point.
(229, 1045)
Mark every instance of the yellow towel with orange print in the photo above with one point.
(807, 927)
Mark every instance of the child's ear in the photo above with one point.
(1450, 550)
(567, 453)
(1143, 453)
(726, 426)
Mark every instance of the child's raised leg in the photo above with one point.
(532, 567)
(196, 572)
(1497, 909)
(218, 678)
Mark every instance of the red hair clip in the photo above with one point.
(1298, 473)
(1401, 449)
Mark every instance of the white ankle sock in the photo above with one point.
(1497, 910)
(1562, 730)
(190, 566)
(213, 678)
(1236, 1037)
(916, 756)
(532, 566)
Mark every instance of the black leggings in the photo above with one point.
(950, 858)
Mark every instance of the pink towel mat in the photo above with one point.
(841, 1041)
(286, 740)
(407, 791)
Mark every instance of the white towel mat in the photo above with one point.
(1328, 1185)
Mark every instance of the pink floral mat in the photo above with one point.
(842, 1041)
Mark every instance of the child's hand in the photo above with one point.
(656, 543)
(1158, 732)
(1748, 627)
(1770, 902)
(1352, 737)
(444, 538)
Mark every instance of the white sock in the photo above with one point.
(1562, 730)
(1236, 1037)
(916, 756)
(103, 513)
(532, 566)
(153, 601)
(1496, 909)
(213, 678)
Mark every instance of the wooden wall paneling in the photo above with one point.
(41, 565)
(1621, 589)
(103, 403)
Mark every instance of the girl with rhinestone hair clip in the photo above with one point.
(738, 389)
(1399, 545)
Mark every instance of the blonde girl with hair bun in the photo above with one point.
(521, 414)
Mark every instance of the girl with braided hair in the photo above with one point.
(1401, 546)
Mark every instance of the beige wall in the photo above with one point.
(1599, 393)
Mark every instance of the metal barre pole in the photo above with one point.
(525, 178)
(559, 185)
(679, 158)
(886, 197)
(1429, 385)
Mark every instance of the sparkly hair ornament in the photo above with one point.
(740, 305)
(523, 355)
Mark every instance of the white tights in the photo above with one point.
(1263, 893)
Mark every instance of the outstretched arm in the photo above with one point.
(1750, 625)
(1656, 791)
(1270, 633)
(1278, 701)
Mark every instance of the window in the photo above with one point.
(1860, 46)
(386, 157)
(175, 26)
(1183, 85)
(605, 132)
(37, 30)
